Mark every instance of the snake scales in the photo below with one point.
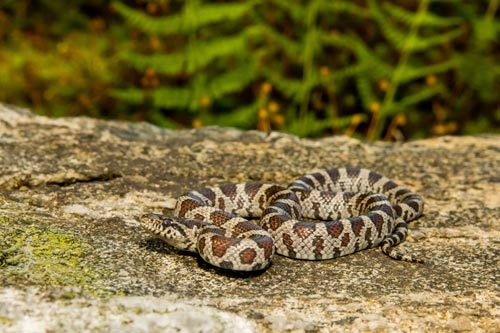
(358, 208)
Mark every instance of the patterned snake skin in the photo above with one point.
(360, 209)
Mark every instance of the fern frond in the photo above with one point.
(233, 81)
(203, 53)
(374, 67)
(403, 40)
(409, 73)
(293, 89)
(187, 20)
(206, 14)
(172, 97)
(419, 43)
(342, 74)
(308, 125)
(147, 23)
(344, 6)
(133, 96)
(243, 117)
(427, 19)
(405, 104)
(291, 48)
(289, 88)
(190, 59)
(338, 40)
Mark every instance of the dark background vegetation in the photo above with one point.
(393, 70)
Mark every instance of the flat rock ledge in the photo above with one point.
(74, 259)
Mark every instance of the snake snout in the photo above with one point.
(155, 223)
(172, 230)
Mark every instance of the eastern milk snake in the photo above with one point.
(357, 209)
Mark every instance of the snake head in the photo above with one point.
(179, 233)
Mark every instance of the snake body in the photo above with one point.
(358, 208)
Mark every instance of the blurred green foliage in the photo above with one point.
(374, 69)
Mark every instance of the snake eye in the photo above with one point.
(166, 222)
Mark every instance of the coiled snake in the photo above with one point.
(359, 209)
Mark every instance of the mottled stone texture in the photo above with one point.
(72, 190)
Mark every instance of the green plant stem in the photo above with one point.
(309, 48)
(379, 118)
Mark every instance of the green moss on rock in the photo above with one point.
(35, 254)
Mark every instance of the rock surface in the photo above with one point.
(73, 257)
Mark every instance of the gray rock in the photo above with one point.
(73, 257)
